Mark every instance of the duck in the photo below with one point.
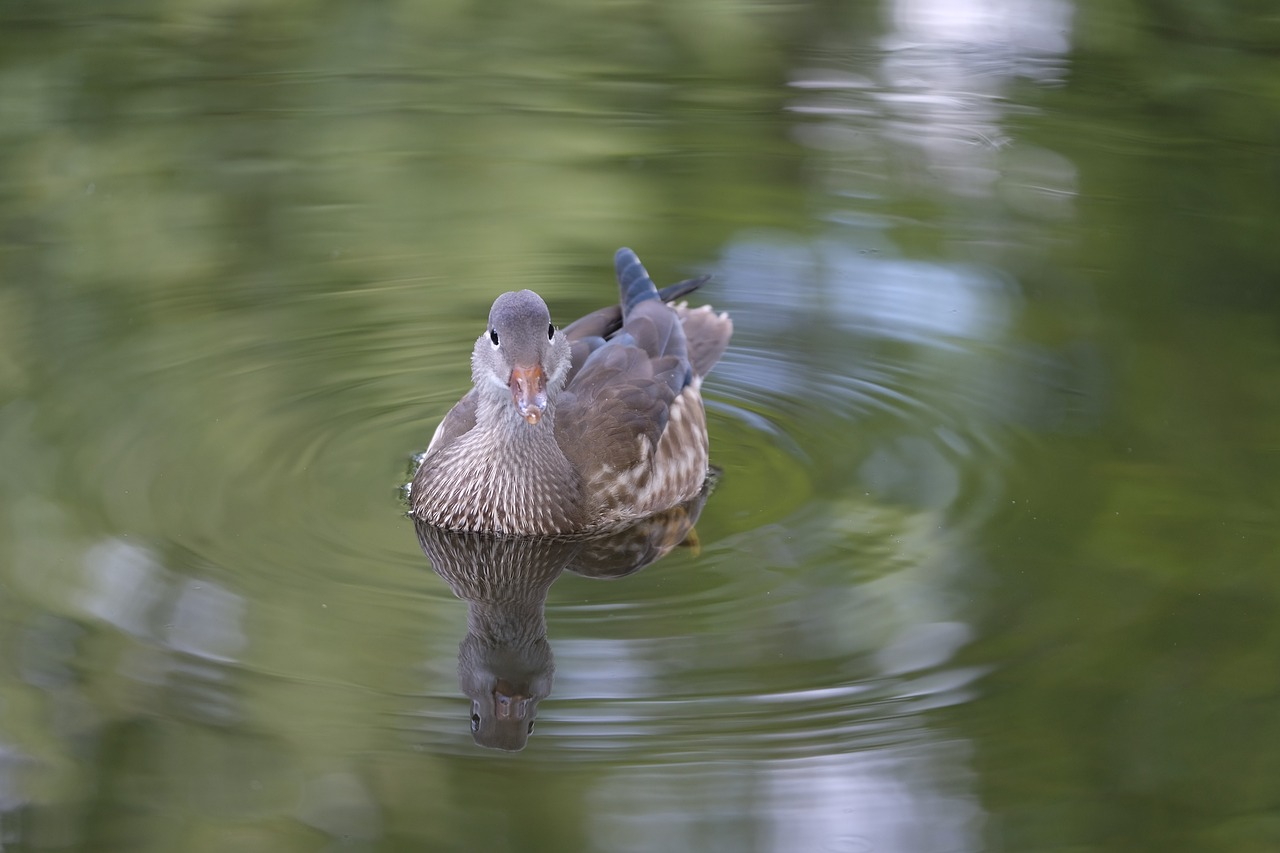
(578, 430)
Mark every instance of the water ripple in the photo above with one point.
(860, 430)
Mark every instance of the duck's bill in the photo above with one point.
(529, 391)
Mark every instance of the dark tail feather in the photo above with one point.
(603, 322)
(672, 292)
(633, 282)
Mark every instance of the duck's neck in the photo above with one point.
(518, 448)
(497, 415)
(511, 476)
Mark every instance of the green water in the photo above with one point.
(992, 562)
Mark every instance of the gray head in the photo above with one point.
(522, 354)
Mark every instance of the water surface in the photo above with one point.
(990, 561)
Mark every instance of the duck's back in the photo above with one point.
(631, 421)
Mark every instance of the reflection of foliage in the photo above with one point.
(230, 143)
(1191, 94)
(1141, 643)
(1138, 622)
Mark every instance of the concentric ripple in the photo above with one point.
(855, 443)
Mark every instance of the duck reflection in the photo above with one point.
(505, 664)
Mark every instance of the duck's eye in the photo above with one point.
(493, 336)
(475, 722)
(551, 333)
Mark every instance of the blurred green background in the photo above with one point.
(993, 563)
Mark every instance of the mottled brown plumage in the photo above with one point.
(576, 430)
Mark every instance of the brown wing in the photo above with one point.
(707, 334)
(458, 421)
(623, 392)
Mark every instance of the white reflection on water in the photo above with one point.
(123, 583)
(206, 622)
(923, 645)
(190, 630)
(891, 799)
(916, 301)
(126, 586)
(940, 96)
(1023, 27)
(858, 281)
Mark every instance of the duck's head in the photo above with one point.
(521, 354)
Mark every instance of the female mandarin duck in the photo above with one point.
(576, 430)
